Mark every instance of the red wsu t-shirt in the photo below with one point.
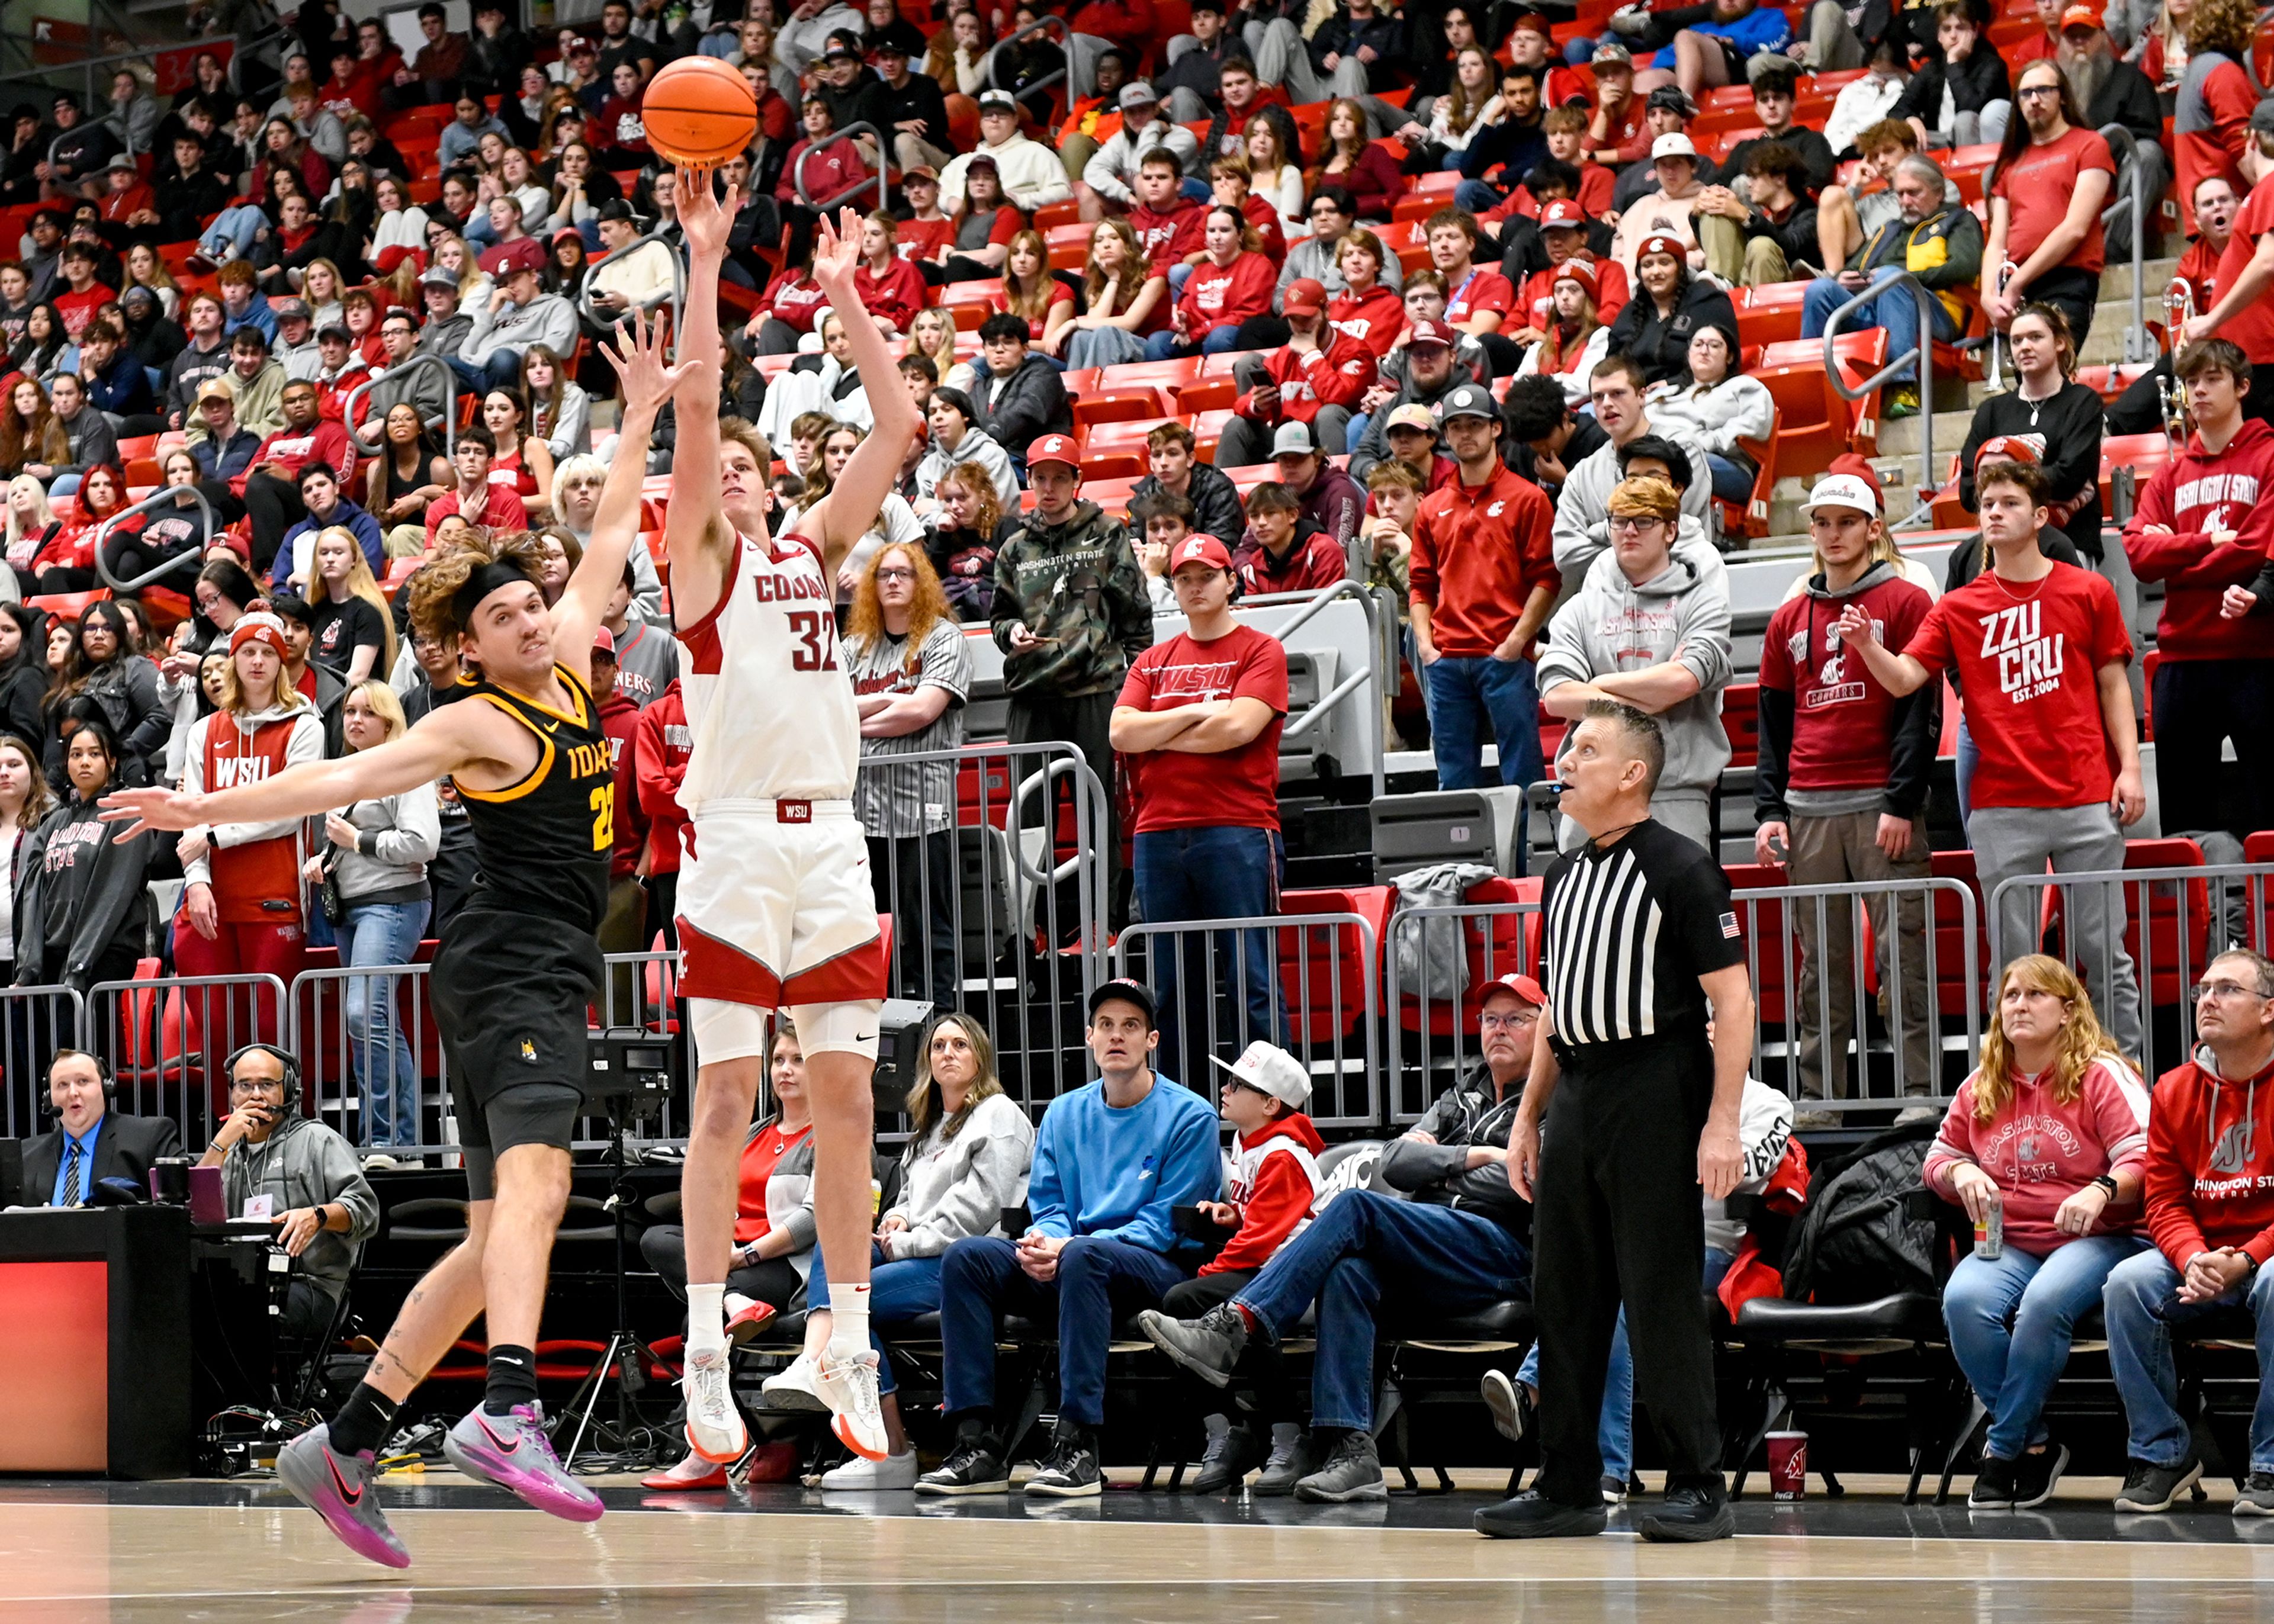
(1234, 789)
(1843, 721)
(2026, 659)
(2037, 186)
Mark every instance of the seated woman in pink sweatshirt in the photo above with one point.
(2052, 1126)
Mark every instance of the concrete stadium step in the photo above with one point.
(2116, 282)
(1901, 439)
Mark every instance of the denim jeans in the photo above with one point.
(1464, 689)
(1477, 197)
(899, 1291)
(1165, 346)
(2010, 1322)
(2141, 1299)
(232, 229)
(1099, 1280)
(1731, 482)
(498, 372)
(1427, 1259)
(1615, 1430)
(382, 933)
(1219, 873)
(1898, 315)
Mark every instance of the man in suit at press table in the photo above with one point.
(90, 1142)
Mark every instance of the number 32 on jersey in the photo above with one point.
(814, 634)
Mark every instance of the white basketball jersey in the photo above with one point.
(770, 710)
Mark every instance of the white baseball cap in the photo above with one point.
(1676, 144)
(1843, 490)
(1270, 1070)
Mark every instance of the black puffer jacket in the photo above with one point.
(1663, 344)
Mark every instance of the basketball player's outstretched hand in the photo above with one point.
(637, 357)
(704, 217)
(149, 808)
(837, 251)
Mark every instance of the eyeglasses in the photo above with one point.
(896, 575)
(1504, 1023)
(2222, 990)
(2031, 91)
(1635, 526)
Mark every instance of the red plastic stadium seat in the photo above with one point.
(1324, 973)
(1120, 405)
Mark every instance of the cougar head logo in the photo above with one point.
(2232, 1153)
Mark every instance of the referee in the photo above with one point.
(1640, 941)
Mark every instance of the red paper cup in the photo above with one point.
(1788, 1465)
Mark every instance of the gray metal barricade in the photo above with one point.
(1317, 998)
(1900, 285)
(344, 1025)
(2168, 923)
(1433, 1007)
(34, 1021)
(998, 905)
(1895, 998)
(415, 364)
(167, 1039)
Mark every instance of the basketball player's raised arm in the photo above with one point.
(647, 382)
(698, 541)
(857, 495)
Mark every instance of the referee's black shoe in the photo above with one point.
(1532, 1515)
(1690, 1515)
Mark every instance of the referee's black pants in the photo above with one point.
(1619, 1216)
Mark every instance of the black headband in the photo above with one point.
(486, 578)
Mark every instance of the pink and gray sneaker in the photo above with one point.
(338, 1488)
(512, 1452)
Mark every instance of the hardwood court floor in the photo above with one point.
(232, 1554)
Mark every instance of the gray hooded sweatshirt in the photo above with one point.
(959, 1187)
(304, 1163)
(1612, 625)
(1583, 507)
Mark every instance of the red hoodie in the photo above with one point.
(1337, 375)
(2193, 493)
(619, 720)
(1375, 318)
(1270, 1181)
(660, 747)
(1221, 295)
(2210, 1164)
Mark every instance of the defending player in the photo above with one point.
(516, 969)
(774, 901)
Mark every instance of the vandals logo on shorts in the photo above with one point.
(528, 1051)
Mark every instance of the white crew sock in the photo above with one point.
(849, 1327)
(706, 1318)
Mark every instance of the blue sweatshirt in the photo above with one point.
(1764, 28)
(1098, 1170)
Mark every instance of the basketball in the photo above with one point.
(698, 111)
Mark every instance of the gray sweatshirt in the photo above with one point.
(547, 320)
(1683, 612)
(1583, 510)
(304, 1163)
(953, 1189)
(396, 837)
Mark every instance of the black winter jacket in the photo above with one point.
(1439, 1175)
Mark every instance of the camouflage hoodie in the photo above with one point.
(1078, 585)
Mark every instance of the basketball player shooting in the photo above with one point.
(776, 910)
(518, 966)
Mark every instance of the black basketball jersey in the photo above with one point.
(544, 842)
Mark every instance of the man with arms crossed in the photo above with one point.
(517, 968)
(775, 906)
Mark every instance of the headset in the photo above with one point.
(47, 1111)
(283, 1057)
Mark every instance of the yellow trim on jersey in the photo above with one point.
(577, 691)
(535, 775)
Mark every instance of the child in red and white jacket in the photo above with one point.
(1271, 1175)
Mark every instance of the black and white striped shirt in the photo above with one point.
(1630, 930)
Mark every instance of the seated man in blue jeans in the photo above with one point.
(1451, 1243)
(1937, 240)
(1110, 1162)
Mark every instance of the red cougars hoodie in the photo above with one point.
(2210, 1163)
(1270, 1181)
(2192, 494)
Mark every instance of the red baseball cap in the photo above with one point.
(1054, 448)
(1531, 22)
(1428, 332)
(1563, 211)
(604, 641)
(1306, 295)
(2082, 16)
(1201, 549)
(1522, 986)
(523, 254)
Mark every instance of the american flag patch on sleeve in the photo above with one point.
(1730, 925)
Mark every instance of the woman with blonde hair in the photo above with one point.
(932, 335)
(1125, 301)
(32, 524)
(1276, 174)
(375, 854)
(2049, 1133)
(968, 1152)
(145, 269)
(1470, 104)
(353, 629)
(1030, 290)
(559, 411)
(320, 289)
(962, 548)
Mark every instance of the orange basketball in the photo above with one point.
(697, 111)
